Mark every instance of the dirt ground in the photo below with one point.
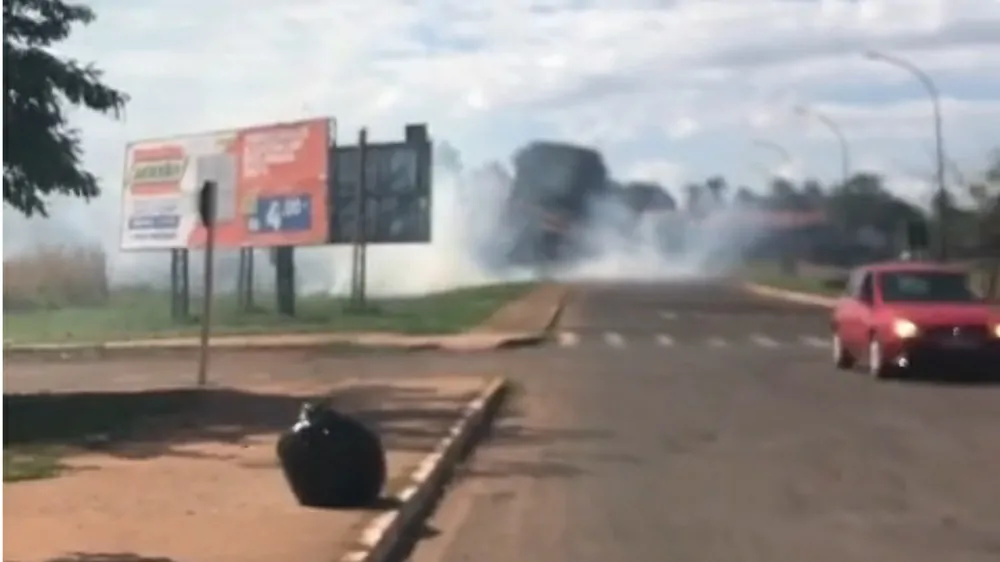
(207, 486)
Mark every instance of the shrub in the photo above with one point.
(55, 277)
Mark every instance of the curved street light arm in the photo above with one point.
(774, 147)
(935, 96)
(845, 149)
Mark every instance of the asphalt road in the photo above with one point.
(623, 447)
(686, 422)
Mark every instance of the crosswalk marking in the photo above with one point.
(614, 339)
(814, 341)
(568, 339)
(763, 341)
(664, 340)
(618, 340)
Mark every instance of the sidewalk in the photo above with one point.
(209, 489)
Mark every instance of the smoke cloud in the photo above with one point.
(469, 246)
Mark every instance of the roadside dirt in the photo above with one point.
(208, 487)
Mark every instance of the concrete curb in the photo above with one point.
(385, 534)
(544, 303)
(790, 296)
(455, 343)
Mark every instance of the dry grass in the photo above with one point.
(55, 277)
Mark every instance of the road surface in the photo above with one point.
(692, 423)
(698, 423)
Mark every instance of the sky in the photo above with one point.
(669, 90)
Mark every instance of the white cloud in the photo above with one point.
(691, 79)
(664, 172)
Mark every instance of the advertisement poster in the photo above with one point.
(272, 188)
(398, 202)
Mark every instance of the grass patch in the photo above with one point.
(826, 282)
(141, 314)
(828, 285)
(31, 463)
(40, 429)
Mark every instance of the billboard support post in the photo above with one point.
(244, 281)
(358, 253)
(284, 268)
(363, 198)
(179, 286)
(206, 208)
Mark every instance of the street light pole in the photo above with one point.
(781, 151)
(845, 151)
(935, 96)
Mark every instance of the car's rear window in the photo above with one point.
(927, 286)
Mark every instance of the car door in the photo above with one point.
(845, 317)
(864, 317)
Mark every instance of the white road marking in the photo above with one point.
(568, 339)
(668, 314)
(763, 341)
(664, 340)
(717, 342)
(814, 341)
(614, 339)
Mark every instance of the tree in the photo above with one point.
(642, 196)
(694, 194)
(745, 197)
(812, 192)
(784, 196)
(41, 151)
(717, 189)
(986, 194)
(447, 157)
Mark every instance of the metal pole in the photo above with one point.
(249, 279)
(363, 200)
(206, 305)
(935, 96)
(943, 218)
(845, 150)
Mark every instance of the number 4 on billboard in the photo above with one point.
(206, 203)
(273, 216)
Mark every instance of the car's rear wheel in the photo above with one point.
(878, 367)
(842, 358)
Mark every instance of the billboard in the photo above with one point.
(272, 187)
(398, 201)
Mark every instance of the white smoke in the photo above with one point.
(464, 211)
(705, 248)
(467, 246)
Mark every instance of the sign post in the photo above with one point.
(206, 209)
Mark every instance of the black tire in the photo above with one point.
(842, 358)
(878, 367)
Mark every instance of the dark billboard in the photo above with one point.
(398, 192)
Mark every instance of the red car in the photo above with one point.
(899, 315)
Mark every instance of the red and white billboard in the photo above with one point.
(272, 187)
